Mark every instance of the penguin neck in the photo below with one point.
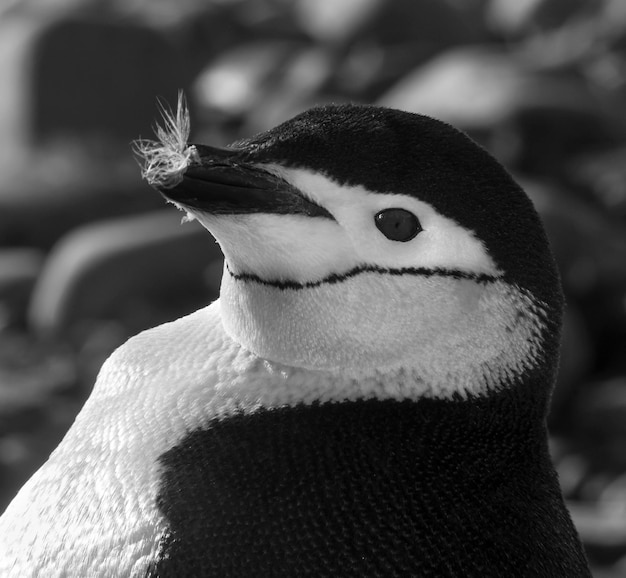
(377, 469)
(415, 335)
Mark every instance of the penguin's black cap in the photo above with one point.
(393, 151)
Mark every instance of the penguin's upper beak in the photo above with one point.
(218, 181)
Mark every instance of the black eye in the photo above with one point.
(397, 224)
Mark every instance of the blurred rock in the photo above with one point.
(510, 16)
(603, 177)
(472, 88)
(390, 38)
(200, 31)
(302, 84)
(570, 465)
(76, 91)
(30, 373)
(614, 494)
(95, 340)
(235, 81)
(258, 85)
(12, 7)
(603, 531)
(38, 402)
(139, 270)
(618, 570)
(361, 48)
(516, 17)
(532, 120)
(47, 191)
(584, 35)
(589, 244)
(169, 14)
(601, 416)
(388, 22)
(84, 76)
(19, 269)
(331, 22)
(576, 366)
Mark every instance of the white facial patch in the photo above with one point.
(282, 247)
(306, 250)
(444, 334)
(338, 295)
(442, 244)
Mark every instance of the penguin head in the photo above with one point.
(368, 241)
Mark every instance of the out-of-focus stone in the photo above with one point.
(258, 85)
(590, 248)
(140, 270)
(237, 79)
(515, 17)
(199, 30)
(618, 570)
(38, 403)
(75, 91)
(300, 86)
(336, 22)
(478, 86)
(571, 467)
(468, 87)
(576, 365)
(603, 175)
(589, 243)
(71, 74)
(601, 415)
(47, 191)
(396, 37)
(532, 120)
(30, 373)
(603, 532)
(19, 269)
(389, 22)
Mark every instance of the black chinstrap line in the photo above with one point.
(340, 277)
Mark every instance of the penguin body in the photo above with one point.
(366, 398)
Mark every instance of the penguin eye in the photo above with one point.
(397, 224)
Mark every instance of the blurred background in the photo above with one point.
(90, 255)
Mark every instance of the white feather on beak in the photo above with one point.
(164, 160)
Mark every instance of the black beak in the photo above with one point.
(218, 181)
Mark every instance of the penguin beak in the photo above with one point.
(218, 182)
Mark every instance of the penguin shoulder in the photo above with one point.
(185, 373)
(189, 348)
(97, 491)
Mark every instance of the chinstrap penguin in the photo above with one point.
(366, 398)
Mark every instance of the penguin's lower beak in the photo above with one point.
(217, 181)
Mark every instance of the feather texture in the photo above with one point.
(164, 160)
